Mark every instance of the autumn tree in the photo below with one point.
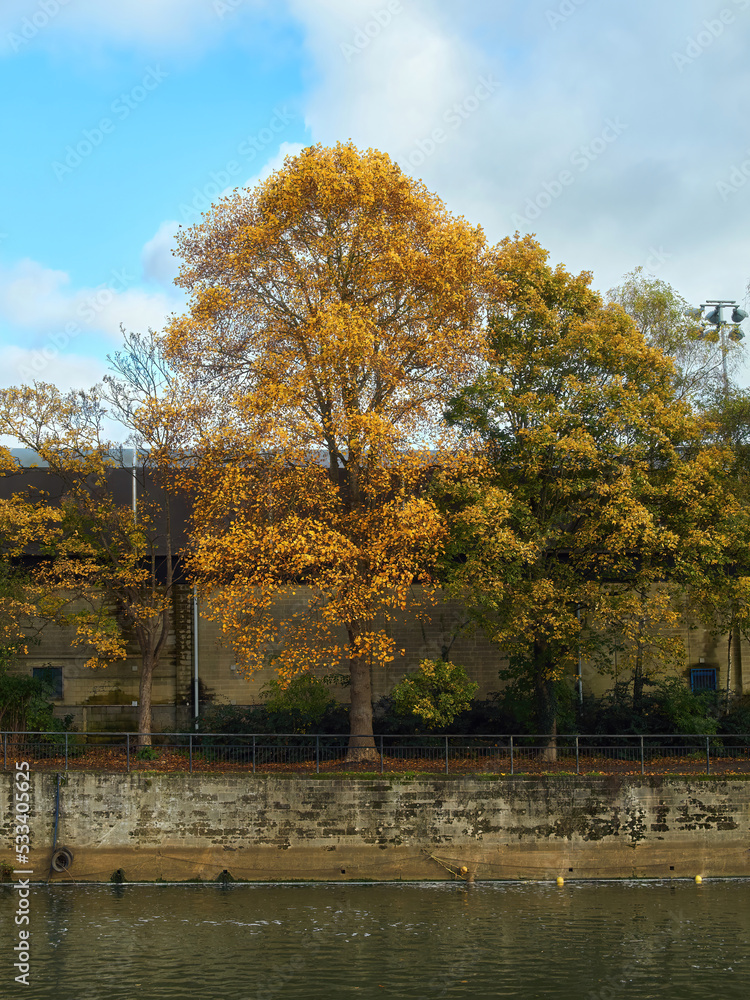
(25, 523)
(720, 600)
(111, 563)
(332, 309)
(580, 509)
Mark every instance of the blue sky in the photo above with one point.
(615, 131)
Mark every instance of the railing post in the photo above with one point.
(66, 751)
(5, 751)
(381, 753)
(127, 750)
(577, 767)
(317, 753)
(708, 756)
(511, 755)
(446, 754)
(253, 753)
(643, 766)
(191, 752)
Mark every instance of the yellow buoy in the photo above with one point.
(698, 880)
(463, 870)
(560, 880)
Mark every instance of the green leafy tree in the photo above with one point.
(720, 600)
(580, 505)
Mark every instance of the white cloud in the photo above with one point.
(386, 73)
(275, 163)
(50, 363)
(556, 81)
(40, 301)
(159, 263)
(162, 24)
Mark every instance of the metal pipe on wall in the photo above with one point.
(196, 702)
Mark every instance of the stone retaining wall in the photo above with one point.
(176, 827)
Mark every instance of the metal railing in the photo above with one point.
(316, 753)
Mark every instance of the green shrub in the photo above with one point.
(299, 706)
(667, 707)
(435, 693)
(736, 723)
(673, 708)
(305, 705)
(25, 706)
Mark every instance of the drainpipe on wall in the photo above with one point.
(580, 672)
(135, 485)
(196, 702)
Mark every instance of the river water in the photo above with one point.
(581, 941)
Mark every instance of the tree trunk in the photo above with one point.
(639, 676)
(361, 740)
(730, 640)
(545, 697)
(638, 680)
(145, 723)
(152, 640)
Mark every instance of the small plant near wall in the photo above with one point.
(435, 693)
(147, 753)
(302, 705)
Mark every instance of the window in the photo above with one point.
(703, 679)
(52, 677)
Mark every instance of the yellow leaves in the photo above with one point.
(333, 310)
(101, 633)
(91, 549)
(351, 567)
(340, 294)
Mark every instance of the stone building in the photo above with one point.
(106, 699)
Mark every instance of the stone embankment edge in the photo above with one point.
(151, 826)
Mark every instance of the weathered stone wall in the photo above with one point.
(182, 827)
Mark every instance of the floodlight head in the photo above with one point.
(695, 313)
(714, 317)
(738, 315)
(736, 334)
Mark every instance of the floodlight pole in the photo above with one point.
(738, 315)
(719, 305)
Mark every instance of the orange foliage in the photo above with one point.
(332, 311)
